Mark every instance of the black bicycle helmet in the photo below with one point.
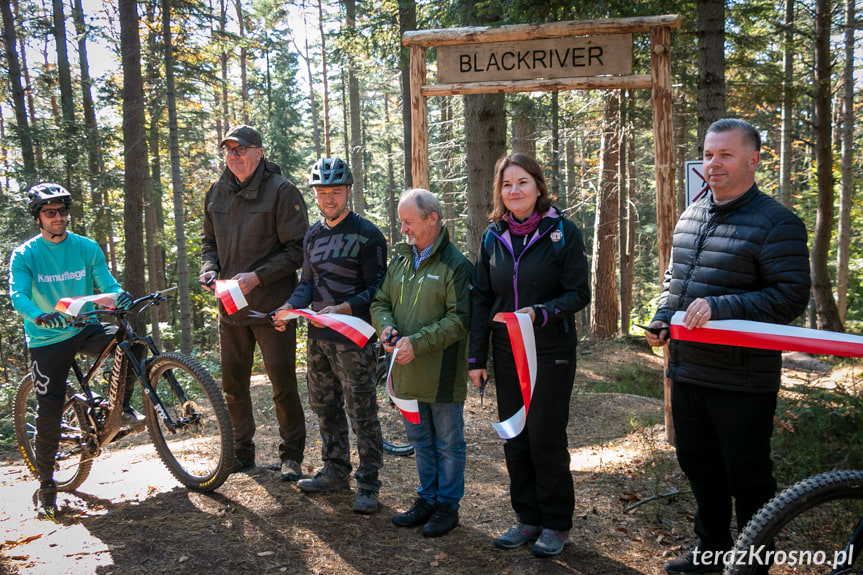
(44, 194)
(330, 172)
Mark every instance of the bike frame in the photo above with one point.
(121, 349)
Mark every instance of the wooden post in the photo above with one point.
(419, 119)
(663, 135)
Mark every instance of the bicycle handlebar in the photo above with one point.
(155, 298)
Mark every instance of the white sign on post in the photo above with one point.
(696, 183)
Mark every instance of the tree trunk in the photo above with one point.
(67, 104)
(223, 26)
(555, 145)
(177, 184)
(326, 94)
(407, 22)
(847, 194)
(356, 128)
(624, 241)
(312, 102)
(448, 168)
(571, 174)
(135, 147)
(485, 138)
(828, 314)
(244, 84)
(679, 119)
(603, 312)
(711, 66)
(22, 127)
(392, 216)
(91, 132)
(523, 113)
(787, 106)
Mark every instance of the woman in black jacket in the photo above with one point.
(531, 261)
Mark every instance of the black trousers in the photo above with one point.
(541, 488)
(50, 367)
(279, 350)
(723, 446)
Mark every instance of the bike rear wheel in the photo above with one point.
(392, 423)
(198, 447)
(72, 461)
(811, 523)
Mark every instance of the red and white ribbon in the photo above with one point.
(353, 328)
(520, 329)
(409, 407)
(744, 333)
(72, 305)
(231, 296)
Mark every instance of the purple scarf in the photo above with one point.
(524, 228)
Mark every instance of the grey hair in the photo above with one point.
(750, 134)
(425, 202)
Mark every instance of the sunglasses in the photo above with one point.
(238, 150)
(51, 213)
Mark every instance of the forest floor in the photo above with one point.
(131, 516)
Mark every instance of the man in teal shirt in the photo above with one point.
(52, 265)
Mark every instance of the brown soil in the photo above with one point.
(131, 516)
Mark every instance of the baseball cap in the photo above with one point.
(244, 135)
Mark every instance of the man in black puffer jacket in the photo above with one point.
(737, 254)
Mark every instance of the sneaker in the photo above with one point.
(690, 562)
(131, 419)
(550, 543)
(443, 520)
(45, 500)
(324, 481)
(291, 470)
(518, 535)
(417, 515)
(366, 502)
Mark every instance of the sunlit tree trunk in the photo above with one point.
(785, 135)
(603, 312)
(357, 192)
(134, 146)
(67, 105)
(177, 184)
(825, 305)
(847, 194)
(555, 179)
(407, 22)
(244, 83)
(22, 127)
(711, 65)
(326, 94)
(313, 105)
(625, 212)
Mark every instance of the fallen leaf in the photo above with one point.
(266, 553)
(183, 559)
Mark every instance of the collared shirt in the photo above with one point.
(419, 256)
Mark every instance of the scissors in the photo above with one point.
(653, 330)
(393, 338)
(259, 314)
(482, 384)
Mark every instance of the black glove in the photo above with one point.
(54, 320)
(124, 300)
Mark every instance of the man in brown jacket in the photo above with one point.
(254, 223)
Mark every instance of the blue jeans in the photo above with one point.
(438, 442)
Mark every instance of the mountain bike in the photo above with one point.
(392, 423)
(186, 415)
(814, 526)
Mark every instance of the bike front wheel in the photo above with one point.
(194, 437)
(73, 459)
(813, 527)
(392, 423)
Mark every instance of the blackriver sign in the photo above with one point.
(573, 57)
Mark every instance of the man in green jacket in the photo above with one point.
(422, 311)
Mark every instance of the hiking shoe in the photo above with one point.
(696, 562)
(417, 515)
(45, 500)
(550, 543)
(443, 520)
(324, 481)
(366, 502)
(518, 535)
(131, 419)
(291, 470)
